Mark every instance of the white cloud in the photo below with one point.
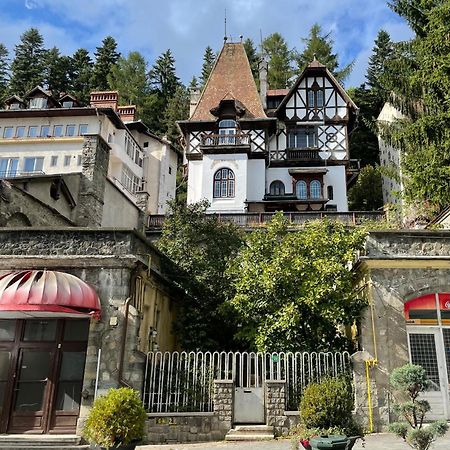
(31, 4)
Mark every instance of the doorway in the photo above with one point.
(41, 374)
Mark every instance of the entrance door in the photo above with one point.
(427, 350)
(41, 374)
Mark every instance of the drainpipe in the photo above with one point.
(124, 339)
(369, 363)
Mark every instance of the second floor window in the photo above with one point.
(57, 130)
(224, 183)
(315, 189)
(32, 131)
(302, 138)
(277, 188)
(227, 132)
(33, 164)
(8, 167)
(20, 132)
(301, 190)
(70, 130)
(45, 131)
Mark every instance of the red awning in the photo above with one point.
(41, 293)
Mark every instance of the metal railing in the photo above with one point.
(214, 140)
(302, 155)
(17, 173)
(252, 220)
(184, 382)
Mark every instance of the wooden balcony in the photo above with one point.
(225, 140)
(254, 220)
(309, 154)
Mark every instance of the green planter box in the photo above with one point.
(329, 442)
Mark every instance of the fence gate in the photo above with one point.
(184, 382)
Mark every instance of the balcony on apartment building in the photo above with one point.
(303, 154)
(225, 143)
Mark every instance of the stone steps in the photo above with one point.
(40, 442)
(250, 433)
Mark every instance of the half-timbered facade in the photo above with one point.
(291, 154)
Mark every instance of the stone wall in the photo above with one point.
(275, 403)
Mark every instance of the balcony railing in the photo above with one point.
(17, 173)
(302, 155)
(253, 220)
(217, 140)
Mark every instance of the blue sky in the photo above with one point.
(188, 26)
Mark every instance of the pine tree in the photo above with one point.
(253, 58)
(279, 57)
(129, 78)
(417, 74)
(106, 57)
(57, 71)
(81, 75)
(209, 58)
(4, 66)
(381, 53)
(163, 78)
(193, 84)
(177, 109)
(27, 68)
(320, 46)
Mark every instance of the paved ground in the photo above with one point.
(373, 442)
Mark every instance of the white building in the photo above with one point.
(284, 150)
(42, 135)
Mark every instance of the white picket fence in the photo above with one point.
(183, 382)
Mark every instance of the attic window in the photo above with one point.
(227, 131)
(38, 103)
(68, 104)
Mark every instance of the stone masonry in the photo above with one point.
(275, 405)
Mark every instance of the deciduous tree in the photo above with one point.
(366, 194)
(201, 247)
(293, 289)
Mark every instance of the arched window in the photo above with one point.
(227, 132)
(224, 183)
(315, 189)
(277, 188)
(301, 190)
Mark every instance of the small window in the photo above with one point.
(79, 160)
(83, 129)
(301, 190)
(224, 184)
(20, 132)
(145, 144)
(54, 161)
(330, 192)
(315, 98)
(316, 189)
(319, 98)
(110, 138)
(311, 99)
(70, 130)
(32, 131)
(45, 131)
(68, 104)
(277, 188)
(170, 170)
(8, 132)
(38, 103)
(57, 130)
(227, 132)
(14, 106)
(67, 160)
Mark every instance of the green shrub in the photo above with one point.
(117, 418)
(328, 405)
(411, 380)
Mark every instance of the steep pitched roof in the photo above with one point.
(231, 77)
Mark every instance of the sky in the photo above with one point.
(188, 26)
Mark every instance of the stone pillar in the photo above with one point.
(275, 406)
(95, 160)
(223, 403)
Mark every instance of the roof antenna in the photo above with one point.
(225, 37)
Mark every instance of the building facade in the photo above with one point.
(274, 150)
(43, 135)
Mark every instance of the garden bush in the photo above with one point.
(116, 419)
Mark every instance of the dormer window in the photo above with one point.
(14, 106)
(68, 104)
(38, 103)
(227, 131)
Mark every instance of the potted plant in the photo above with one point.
(411, 380)
(116, 420)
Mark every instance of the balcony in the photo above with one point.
(308, 154)
(22, 173)
(213, 140)
(255, 220)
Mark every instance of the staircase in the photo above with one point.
(40, 442)
(250, 433)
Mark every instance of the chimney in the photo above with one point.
(195, 97)
(263, 68)
(105, 99)
(127, 113)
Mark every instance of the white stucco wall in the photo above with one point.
(195, 182)
(256, 179)
(337, 178)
